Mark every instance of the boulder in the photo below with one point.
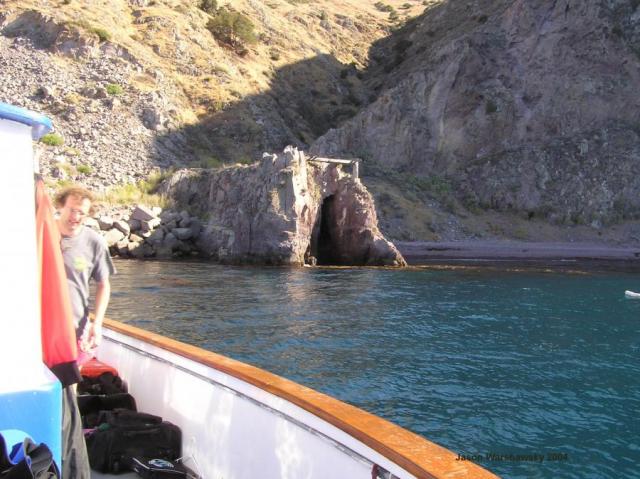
(135, 249)
(150, 225)
(195, 226)
(135, 225)
(182, 233)
(113, 236)
(105, 222)
(156, 237)
(142, 213)
(122, 247)
(170, 241)
(122, 226)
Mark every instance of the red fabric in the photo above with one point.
(58, 333)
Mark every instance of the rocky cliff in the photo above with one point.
(284, 209)
(493, 119)
(521, 106)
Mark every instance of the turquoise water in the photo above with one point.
(503, 366)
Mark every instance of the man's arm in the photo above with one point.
(103, 294)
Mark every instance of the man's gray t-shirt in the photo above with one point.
(86, 256)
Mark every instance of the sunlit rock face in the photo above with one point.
(523, 105)
(284, 210)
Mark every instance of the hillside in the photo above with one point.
(505, 118)
(133, 85)
(500, 119)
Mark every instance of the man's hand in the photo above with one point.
(94, 336)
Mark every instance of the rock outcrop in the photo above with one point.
(283, 210)
(527, 106)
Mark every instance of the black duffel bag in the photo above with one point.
(123, 435)
(91, 406)
(105, 383)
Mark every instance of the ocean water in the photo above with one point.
(534, 374)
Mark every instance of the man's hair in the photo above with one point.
(76, 191)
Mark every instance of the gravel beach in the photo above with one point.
(417, 253)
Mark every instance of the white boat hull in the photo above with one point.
(239, 422)
(631, 294)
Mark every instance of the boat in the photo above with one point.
(631, 294)
(237, 421)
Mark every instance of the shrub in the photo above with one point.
(84, 169)
(72, 151)
(52, 139)
(114, 89)
(130, 193)
(406, 6)
(103, 34)
(232, 29)
(383, 7)
(209, 6)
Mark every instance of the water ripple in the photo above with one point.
(480, 362)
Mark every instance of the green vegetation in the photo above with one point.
(102, 33)
(383, 7)
(209, 6)
(68, 169)
(114, 89)
(406, 6)
(72, 151)
(144, 192)
(52, 139)
(84, 169)
(232, 29)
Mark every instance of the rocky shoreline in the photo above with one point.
(142, 232)
(283, 210)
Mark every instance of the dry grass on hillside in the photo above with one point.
(171, 36)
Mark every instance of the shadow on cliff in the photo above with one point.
(304, 101)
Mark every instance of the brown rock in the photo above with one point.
(283, 210)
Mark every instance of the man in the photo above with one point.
(86, 257)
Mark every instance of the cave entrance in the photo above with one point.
(323, 241)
